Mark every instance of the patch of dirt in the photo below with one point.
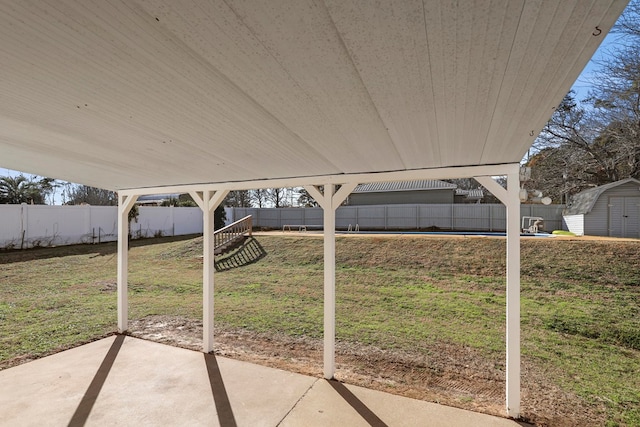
(449, 374)
(107, 285)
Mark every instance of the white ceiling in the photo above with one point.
(124, 94)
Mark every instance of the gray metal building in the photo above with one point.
(426, 191)
(608, 210)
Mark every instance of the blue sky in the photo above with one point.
(583, 83)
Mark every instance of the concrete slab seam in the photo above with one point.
(297, 401)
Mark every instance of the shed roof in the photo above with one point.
(418, 185)
(583, 202)
(128, 94)
(475, 193)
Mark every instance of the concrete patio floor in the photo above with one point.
(122, 380)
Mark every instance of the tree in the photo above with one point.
(186, 201)
(595, 141)
(277, 197)
(182, 201)
(219, 217)
(258, 197)
(238, 199)
(305, 199)
(20, 189)
(629, 22)
(85, 194)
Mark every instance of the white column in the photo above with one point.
(513, 296)
(329, 284)
(208, 201)
(329, 203)
(207, 275)
(510, 198)
(125, 203)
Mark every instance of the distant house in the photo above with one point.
(412, 192)
(155, 199)
(608, 210)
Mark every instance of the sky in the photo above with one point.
(581, 87)
(583, 84)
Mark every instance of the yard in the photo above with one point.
(417, 316)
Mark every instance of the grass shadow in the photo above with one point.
(249, 252)
(99, 249)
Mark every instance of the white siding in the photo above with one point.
(575, 224)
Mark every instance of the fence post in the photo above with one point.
(88, 226)
(173, 222)
(452, 218)
(24, 224)
(490, 217)
(386, 214)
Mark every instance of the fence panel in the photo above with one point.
(187, 221)
(436, 216)
(498, 218)
(270, 218)
(56, 225)
(372, 217)
(402, 217)
(152, 221)
(11, 226)
(25, 226)
(346, 216)
(552, 215)
(313, 216)
(293, 216)
(104, 224)
(459, 217)
(471, 217)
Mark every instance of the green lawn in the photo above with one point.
(580, 300)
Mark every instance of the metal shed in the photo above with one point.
(419, 191)
(608, 210)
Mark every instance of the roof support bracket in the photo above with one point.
(208, 201)
(329, 199)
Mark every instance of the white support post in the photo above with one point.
(125, 203)
(329, 284)
(510, 198)
(329, 203)
(207, 275)
(208, 201)
(513, 295)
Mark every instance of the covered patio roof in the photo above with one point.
(167, 96)
(149, 93)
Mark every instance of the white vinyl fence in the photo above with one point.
(27, 226)
(462, 217)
